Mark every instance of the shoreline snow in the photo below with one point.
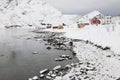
(104, 35)
(98, 35)
(105, 62)
(100, 65)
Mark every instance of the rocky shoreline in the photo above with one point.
(98, 63)
(59, 42)
(92, 58)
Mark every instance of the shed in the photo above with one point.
(58, 27)
(81, 25)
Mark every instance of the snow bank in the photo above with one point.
(105, 35)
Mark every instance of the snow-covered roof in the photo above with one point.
(92, 14)
(84, 20)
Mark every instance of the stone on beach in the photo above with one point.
(35, 53)
(57, 67)
(42, 75)
(35, 78)
(30, 79)
(43, 71)
(48, 48)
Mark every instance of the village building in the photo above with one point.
(93, 18)
(93, 14)
(57, 27)
(106, 20)
(83, 22)
(95, 21)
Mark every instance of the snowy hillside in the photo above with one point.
(105, 35)
(32, 12)
(8, 4)
(28, 12)
(72, 18)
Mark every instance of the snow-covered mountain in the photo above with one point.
(32, 12)
(27, 12)
(70, 19)
(5, 4)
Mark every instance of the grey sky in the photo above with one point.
(85, 6)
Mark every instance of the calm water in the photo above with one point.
(16, 59)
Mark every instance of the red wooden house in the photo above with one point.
(95, 21)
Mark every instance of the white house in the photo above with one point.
(106, 20)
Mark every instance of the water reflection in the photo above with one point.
(13, 56)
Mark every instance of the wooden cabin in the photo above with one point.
(58, 27)
(7, 27)
(55, 27)
(95, 21)
(81, 25)
(48, 27)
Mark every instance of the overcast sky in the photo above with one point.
(84, 6)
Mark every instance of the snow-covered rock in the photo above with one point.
(96, 64)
